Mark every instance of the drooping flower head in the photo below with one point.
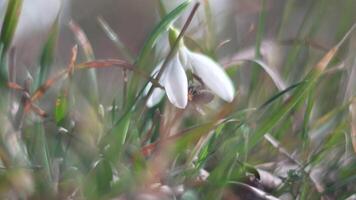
(175, 82)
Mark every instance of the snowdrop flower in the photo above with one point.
(175, 81)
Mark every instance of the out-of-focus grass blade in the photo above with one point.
(10, 22)
(38, 149)
(191, 136)
(82, 40)
(260, 29)
(276, 78)
(353, 124)
(186, 137)
(124, 51)
(259, 35)
(47, 55)
(203, 154)
(98, 183)
(116, 138)
(116, 40)
(307, 115)
(310, 80)
(104, 176)
(7, 33)
(159, 29)
(91, 82)
(279, 94)
(150, 42)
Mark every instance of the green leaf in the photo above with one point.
(160, 28)
(10, 22)
(280, 94)
(115, 39)
(116, 138)
(7, 33)
(103, 176)
(307, 116)
(61, 108)
(208, 146)
(47, 55)
(38, 149)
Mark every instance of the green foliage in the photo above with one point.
(7, 33)
(10, 22)
(280, 135)
(47, 55)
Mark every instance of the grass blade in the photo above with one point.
(7, 33)
(353, 125)
(116, 40)
(279, 94)
(47, 55)
(90, 78)
(116, 139)
(276, 78)
(309, 82)
(10, 22)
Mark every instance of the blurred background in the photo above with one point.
(233, 27)
(288, 36)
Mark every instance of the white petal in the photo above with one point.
(157, 93)
(213, 76)
(176, 83)
(183, 56)
(155, 72)
(155, 97)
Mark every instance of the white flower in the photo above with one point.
(175, 81)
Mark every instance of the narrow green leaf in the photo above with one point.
(159, 29)
(207, 148)
(98, 183)
(10, 22)
(37, 145)
(259, 35)
(307, 115)
(116, 138)
(47, 55)
(353, 125)
(124, 50)
(7, 33)
(279, 94)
